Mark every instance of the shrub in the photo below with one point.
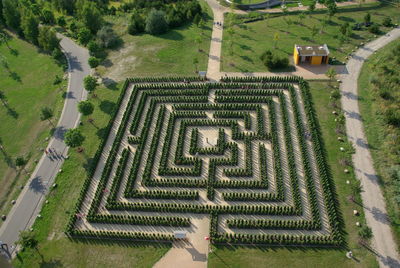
(107, 38)
(61, 21)
(365, 232)
(374, 29)
(93, 62)
(387, 22)
(137, 24)
(274, 61)
(392, 116)
(84, 36)
(156, 22)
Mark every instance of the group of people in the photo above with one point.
(52, 153)
(218, 23)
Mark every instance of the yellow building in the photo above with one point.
(311, 54)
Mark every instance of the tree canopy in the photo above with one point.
(85, 107)
(156, 22)
(73, 138)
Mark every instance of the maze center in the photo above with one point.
(243, 154)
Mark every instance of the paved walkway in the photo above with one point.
(29, 202)
(373, 200)
(214, 61)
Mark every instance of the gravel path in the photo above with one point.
(374, 202)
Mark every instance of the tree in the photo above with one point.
(90, 83)
(73, 138)
(196, 19)
(365, 232)
(311, 7)
(20, 161)
(30, 26)
(46, 114)
(331, 73)
(48, 39)
(198, 40)
(332, 8)
(137, 24)
(84, 36)
(4, 38)
(93, 62)
(3, 97)
(195, 62)
(85, 107)
(302, 16)
(11, 14)
(367, 18)
(106, 37)
(61, 21)
(48, 17)
(91, 16)
(314, 31)
(156, 22)
(276, 39)
(27, 240)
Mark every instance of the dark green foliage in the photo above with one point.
(273, 61)
(46, 113)
(365, 232)
(137, 24)
(91, 16)
(387, 22)
(367, 18)
(11, 14)
(107, 38)
(84, 36)
(47, 17)
(73, 138)
(93, 62)
(61, 21)
(90, 83)
(20, 161)
(47, 39)
(156, 22)
(374, 28)
(85, 107)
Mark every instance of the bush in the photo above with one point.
(387, 22)
(156, 22)
(137, 24)
(84, 36)
(365, 232)
(374, 29)
(107, 38)
(274, 61)
(392, 116)
(61, 21)
(93, 62)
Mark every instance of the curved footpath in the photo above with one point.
(30, 201)
(383, 241)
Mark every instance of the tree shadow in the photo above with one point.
(11, 112)
(348, 19)
(110, 83)
(171, 35)
(107, 107)
(8, 159)
(101, 133)
(14, 76)
(51, 264)
(14, 52)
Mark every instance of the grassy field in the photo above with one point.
(300, 257)
(28, 86)
(382, 138)
(168, 54)
(250, 40)
(56, 248)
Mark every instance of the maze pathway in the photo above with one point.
(244, 155)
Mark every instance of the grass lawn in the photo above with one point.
(56, 248)
(28, 86)
(250, 40)
(168, 54)
(382, 138)
(300, 257)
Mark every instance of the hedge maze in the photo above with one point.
(246, 151)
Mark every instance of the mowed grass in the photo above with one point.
(381, 136)
(56, 248)
(250, 40)
(28, 86)
(308, 257)
(168, 54)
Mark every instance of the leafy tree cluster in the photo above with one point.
(273, 61)
(24, 17)
(156, 17)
